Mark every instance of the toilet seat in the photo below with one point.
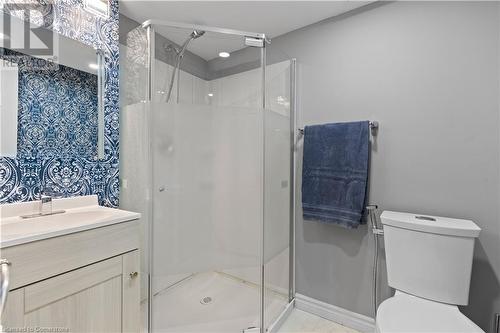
(408, 313)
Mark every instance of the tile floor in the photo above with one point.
(304, 322)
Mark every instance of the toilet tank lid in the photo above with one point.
(431, 224)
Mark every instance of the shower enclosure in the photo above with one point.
(207, 158)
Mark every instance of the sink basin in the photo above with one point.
(15, 230)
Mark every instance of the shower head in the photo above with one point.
(180, 54)
(179, 51)
(197, 34)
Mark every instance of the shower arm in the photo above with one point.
(180, 53)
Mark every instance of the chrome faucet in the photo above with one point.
(45, 205)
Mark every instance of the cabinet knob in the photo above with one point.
(134, 275)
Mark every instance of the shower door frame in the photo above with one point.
(149, 26)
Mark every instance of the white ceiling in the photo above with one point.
(274, 18)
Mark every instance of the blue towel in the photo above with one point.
(335, 172)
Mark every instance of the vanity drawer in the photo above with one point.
(102, 297)
(51, 290)
(40, 260)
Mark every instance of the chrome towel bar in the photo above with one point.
(373, 128)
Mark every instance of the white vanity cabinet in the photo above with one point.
(86, 281)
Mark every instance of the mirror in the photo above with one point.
(52, 101)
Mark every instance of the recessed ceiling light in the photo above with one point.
(210, 95)
(93, 66)
(224, 54)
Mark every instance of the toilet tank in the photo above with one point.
(429, 256)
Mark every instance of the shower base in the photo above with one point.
(213, 302)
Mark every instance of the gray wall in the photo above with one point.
(428, 72)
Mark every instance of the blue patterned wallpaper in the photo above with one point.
(55, 152)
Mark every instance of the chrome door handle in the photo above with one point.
(4, 287)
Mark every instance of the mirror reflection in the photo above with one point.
(50, 103)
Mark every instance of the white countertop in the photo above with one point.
(81, 213)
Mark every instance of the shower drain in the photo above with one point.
(206, 300)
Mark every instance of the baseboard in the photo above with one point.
(334, 313)
(274, 327)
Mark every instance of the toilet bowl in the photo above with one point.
(408, 313)
(429, 264)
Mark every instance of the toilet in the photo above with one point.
(429, 263)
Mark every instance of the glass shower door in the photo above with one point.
(207, 153)
(209, 169)
(278, 224)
